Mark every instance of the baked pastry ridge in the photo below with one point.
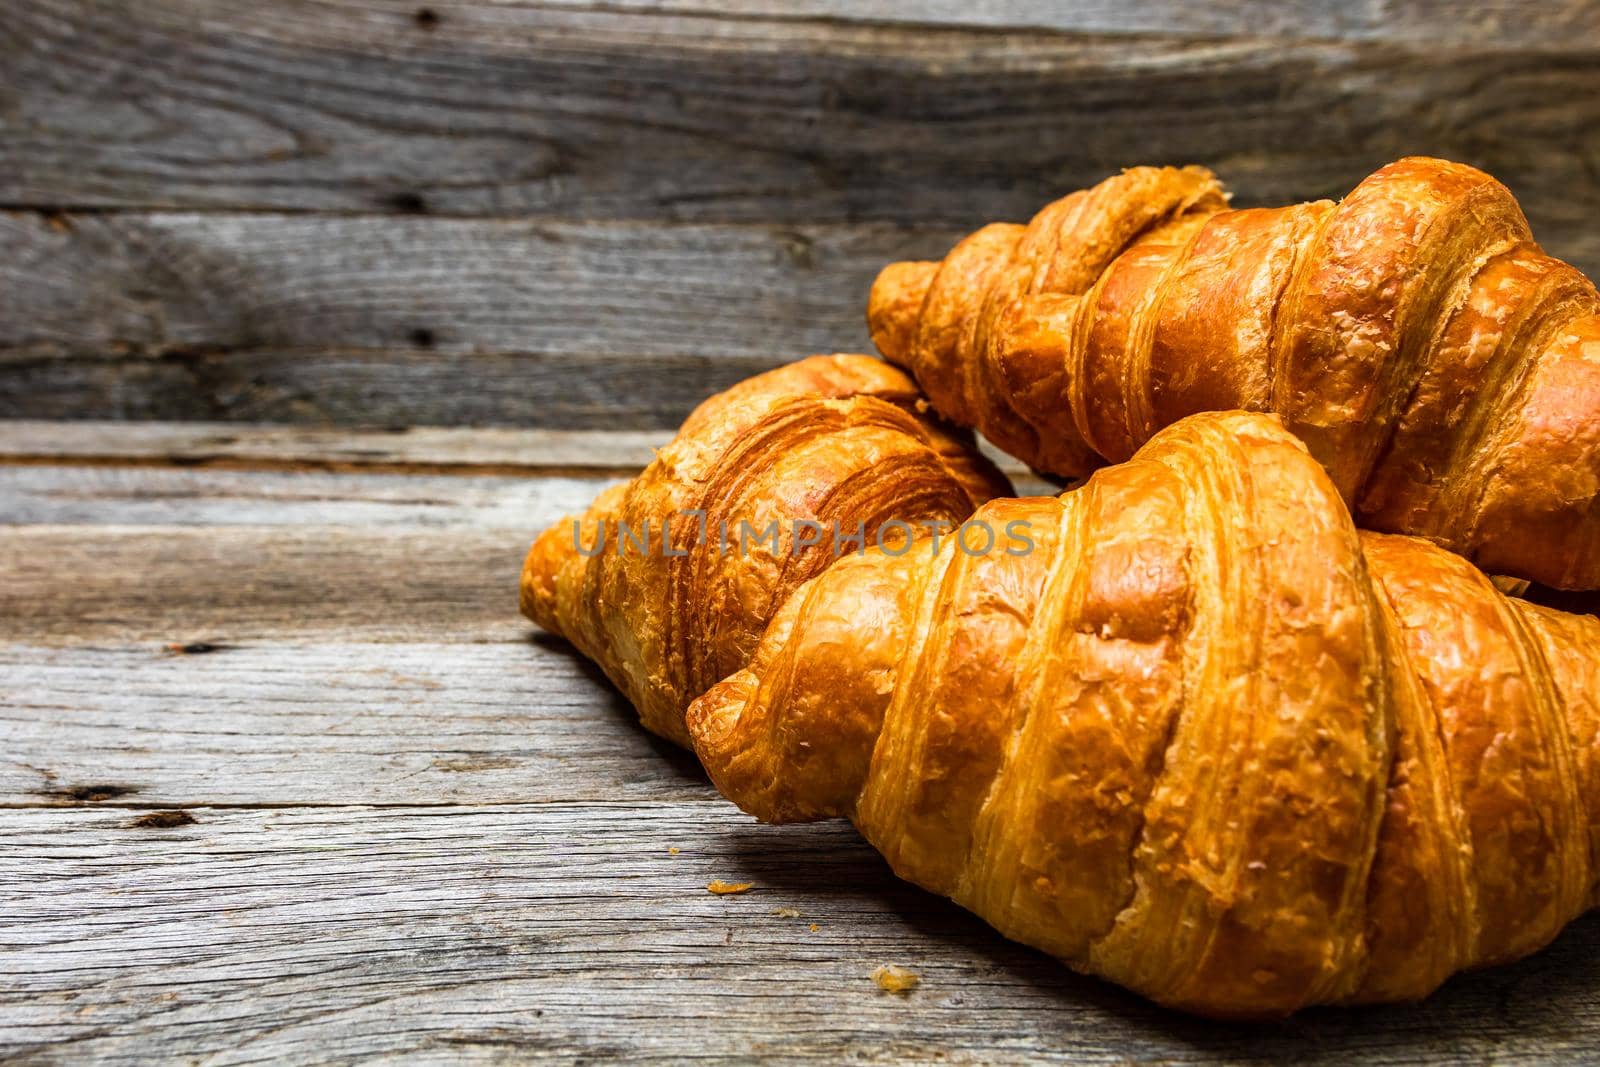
(1203, 738)
(655, 582)
(1443, 367)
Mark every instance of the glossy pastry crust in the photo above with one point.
(1205, 739)
(1444, 368)
(838, 440)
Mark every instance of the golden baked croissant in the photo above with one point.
(833, 440)
(1443, 368)
(1203, 739)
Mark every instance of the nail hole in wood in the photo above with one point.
(91, 794)
(163, 820)
(193, 648)
(57, 221)
(408, 203)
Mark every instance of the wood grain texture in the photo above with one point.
(412, 449)
(182, 496)
(372, 386)
(168, 284)
(1505, 23)
(232, 199)
(855, 112)
(551, 931)
(284, 724)
(312, 319)
(226, 584)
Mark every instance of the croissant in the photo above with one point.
(1443, 368)
(662, 587)
(1197, 736)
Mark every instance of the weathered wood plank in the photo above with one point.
(97, 495)
(228, 584)
(1506, 23)
(173, 283)
(546, 931)
(284, 724)
(408, 449)
(589, 111)
(373, 386)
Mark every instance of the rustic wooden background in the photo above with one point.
(569, 214)
(311, 313)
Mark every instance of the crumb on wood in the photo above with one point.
(723, 889)
(163, 820)
(786, 913)
(672, 850)
(815, 927)
(892, 979)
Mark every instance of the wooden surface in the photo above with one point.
(285, 777)
(568, 214)
(388, 286)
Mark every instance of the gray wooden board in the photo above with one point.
(371, 386)
(283, 724)
(563, 930)
(719, 110)
(105, 495)
(112, 584)
(405, 448)
(224, 207)
(1506, 23)
(174, 283)
(227, 316)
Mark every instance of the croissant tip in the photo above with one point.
(895, 305)
(711, 718)
(537, 590)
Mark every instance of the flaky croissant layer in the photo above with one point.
(1444, 368)
(1205, 740)
(656, 583)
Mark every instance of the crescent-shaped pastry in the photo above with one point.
(1197, 735)
(668, 581)
(1443, 367)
